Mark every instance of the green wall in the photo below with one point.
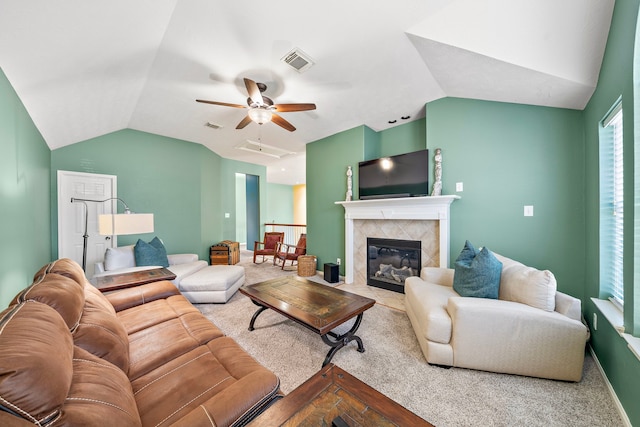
(402, 139)
(210, 202)
(228, 196)
(24, 201)
(157, 175)
(185, 185)
(241, 206)
(508, 156)
(279, 204)
(327, 161)
(616, 79)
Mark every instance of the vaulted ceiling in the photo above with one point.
(85, 68)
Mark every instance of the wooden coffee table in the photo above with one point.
(317, 307)
(129, 280)
(333, 393)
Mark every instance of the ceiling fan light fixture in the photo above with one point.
(260, 115)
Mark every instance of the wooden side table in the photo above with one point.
(333, 393)
(129, 280)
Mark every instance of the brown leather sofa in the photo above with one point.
(144, 356)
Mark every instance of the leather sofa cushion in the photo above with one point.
(63, 294)
(100, 332)
(236, 385)
(162, 330)
(100, 394)
(36, 352)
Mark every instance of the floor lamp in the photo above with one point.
(114, 224)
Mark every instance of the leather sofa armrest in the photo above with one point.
(437, 275)
(131, 297)
(182, 258)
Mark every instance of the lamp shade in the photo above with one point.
(121, 224)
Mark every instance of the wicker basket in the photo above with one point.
(306, 265)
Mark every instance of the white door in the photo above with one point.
(71, 216)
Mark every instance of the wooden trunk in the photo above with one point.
(225, 253)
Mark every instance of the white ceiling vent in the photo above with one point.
(267, 150)
(298, 60)
(213, 125)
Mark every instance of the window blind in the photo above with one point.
(612, 206)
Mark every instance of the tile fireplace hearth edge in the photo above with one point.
(429, 208)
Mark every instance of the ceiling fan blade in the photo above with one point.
(286, 108)
(244, 122)
(254, 91)
(224, 104)
(282, 122)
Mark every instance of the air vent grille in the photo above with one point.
(213, 125)
(298, 60)
(267, 150)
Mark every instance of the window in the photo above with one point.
(611, 207)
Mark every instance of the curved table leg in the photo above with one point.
(256, 314)
(336, 342)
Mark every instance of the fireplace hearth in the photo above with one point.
(391, 261)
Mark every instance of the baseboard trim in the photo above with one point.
(612, 392)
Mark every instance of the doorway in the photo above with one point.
(247, 209)
(71, 216)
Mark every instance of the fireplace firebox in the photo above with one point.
(391, 261)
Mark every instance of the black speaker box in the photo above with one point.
(331, 273)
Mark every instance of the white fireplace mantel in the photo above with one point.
(404, 208)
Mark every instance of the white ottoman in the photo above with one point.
(214, 283)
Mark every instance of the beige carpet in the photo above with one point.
(394, 365)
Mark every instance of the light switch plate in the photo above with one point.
(528, 210)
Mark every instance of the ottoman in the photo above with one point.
(214, 283)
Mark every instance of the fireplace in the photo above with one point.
(420, 218)
(391, 261)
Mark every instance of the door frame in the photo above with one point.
(63, 177)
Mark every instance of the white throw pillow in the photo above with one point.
(527, 285)
(117, 258)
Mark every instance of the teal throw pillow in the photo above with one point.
(477, 273)
(152, 253)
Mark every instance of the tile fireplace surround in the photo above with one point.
(408, 218)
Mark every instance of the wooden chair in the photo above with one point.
(286, 252)
(269, 245)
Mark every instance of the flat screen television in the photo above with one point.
(404, 175)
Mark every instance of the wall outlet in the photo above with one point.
(595, 322)
(338, 262)
(459, 187)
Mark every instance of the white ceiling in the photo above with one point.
(85, 68)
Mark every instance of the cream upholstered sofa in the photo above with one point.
(531, 329)
(122, 260)
(198, 281)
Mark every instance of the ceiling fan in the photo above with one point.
(261, 108)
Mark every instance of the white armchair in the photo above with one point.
(122, 260)
(530, 330)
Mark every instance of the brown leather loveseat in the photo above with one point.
(144, 356)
